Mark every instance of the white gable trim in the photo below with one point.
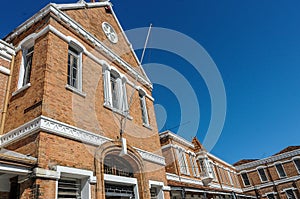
(80, 30)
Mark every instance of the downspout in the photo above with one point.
(6, 100)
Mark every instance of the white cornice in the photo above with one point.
(54, 8)
(4, 70)
(268, 160)
(6, 50)
(52, 126)
(220, 160)
(176, 138)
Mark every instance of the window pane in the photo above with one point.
(297, 163)
(73, 70)
(271, 196)
(290, 194)
(262, 174)
(245, 179)
(114, 92)
(280, 170)
(69, 188)
(27, 66)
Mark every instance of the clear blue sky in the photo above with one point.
(256, 47)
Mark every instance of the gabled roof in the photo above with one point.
(58, 9)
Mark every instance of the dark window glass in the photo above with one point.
(27, 66)
(297, 163)
(262, 174)
(73, 70)
(245, 179)
(280, 170)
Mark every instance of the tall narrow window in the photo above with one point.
(143, 105)
(73, 67)
(297, 163)
(115, 95)
(280, 170)
(212, 169)
(290, 194)
(262, 175)
(182, 162)
(114, 92)
(194, 166)
(245, 179)
(28, 54)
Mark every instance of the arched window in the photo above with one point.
(115, 165)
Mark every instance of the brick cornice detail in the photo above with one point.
(52, 126)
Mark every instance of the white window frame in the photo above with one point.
(296, 158)
(244, 180)
(79, 51)
(229, 176)
(144, 109)
(279, 163)
(123, 180)
(194, 165)
(290, 189)
(26, 44)
(121, 80)
(263, 168)
(159, 186)
(181, 158)
(85, 176)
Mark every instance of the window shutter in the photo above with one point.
(69, 188)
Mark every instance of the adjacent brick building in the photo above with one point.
(277, 176)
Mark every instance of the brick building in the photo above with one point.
(274, 177)
(78, 121)
(192, 172)
(77, 112)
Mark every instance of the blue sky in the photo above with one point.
(256, 47)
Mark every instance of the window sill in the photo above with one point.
(147, 126)
(117, 111)
(21, 89)
(75, 90)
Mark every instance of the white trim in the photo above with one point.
(219, 160)
(6, 51)
(14, 169)
(80, 30)
(52, 126)
(174, 177)
(266, 194)
(123, 180)
(280, 163)
(293, 159)
(86, 176)
(263, 168)
(75, 90)
(269, 159)
(45, 173)
(4, 70)
(77, 172)
(176, 138)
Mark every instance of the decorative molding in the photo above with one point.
(177, 138)
(55, 9)
(220, 160)
(151, 157)
(52, 126)
(4, 70)
(174, 177)
(45, 173)
(269, 159)
(6, 50)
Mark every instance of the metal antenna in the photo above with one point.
(146, 42)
